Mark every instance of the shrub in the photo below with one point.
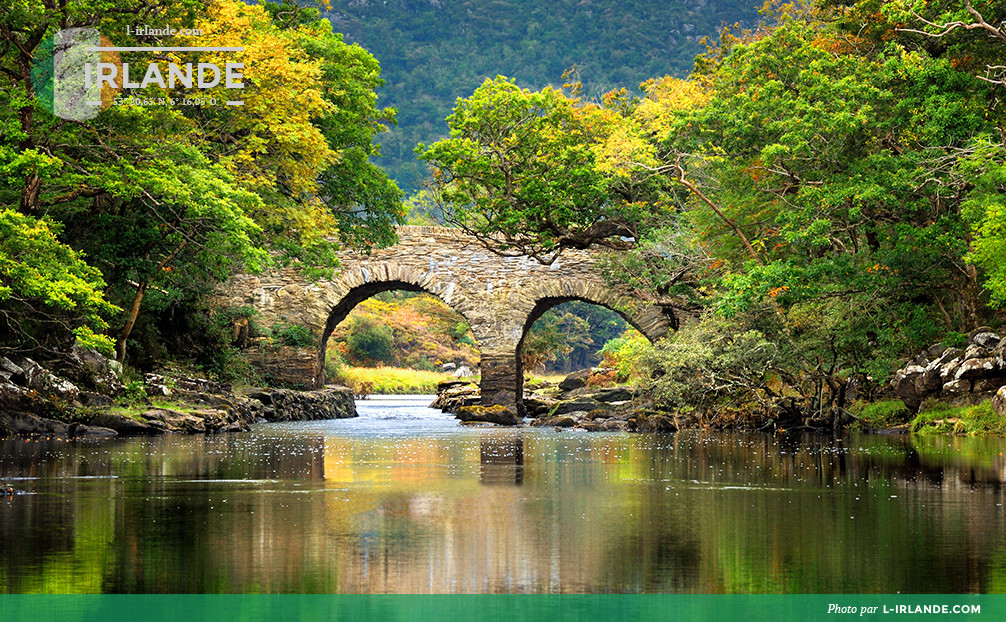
(624, 353)
(369, 341)
(295, 336)
(712, 361)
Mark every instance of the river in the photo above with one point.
(405, 500)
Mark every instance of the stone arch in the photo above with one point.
(649, 321)
(354, 286)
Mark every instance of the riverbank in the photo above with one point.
(582, 401)
(83, 395)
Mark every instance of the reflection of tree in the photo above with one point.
(593, 513)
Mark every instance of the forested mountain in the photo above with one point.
(434, 51)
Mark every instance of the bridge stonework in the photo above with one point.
(500, 297)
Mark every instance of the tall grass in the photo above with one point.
(391, 380)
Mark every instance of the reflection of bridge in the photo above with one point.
(500, 297)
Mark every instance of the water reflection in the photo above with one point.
(329, 507)
(501, 459)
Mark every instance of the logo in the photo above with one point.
(78, 72)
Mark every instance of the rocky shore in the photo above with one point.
(974, 372)
(82, 395)
(572, 403)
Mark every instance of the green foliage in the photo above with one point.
(979, 420)
(883, 414)
(523, 172)
(625, 353)
(169, 201)
(295, 336)
(369, 341)
(433, 52)
(711, 362)
(555, 335)
(48, 293)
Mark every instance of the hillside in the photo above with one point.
(434, 51)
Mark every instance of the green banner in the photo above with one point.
(492, 608)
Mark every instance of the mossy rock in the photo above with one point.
(500, 415)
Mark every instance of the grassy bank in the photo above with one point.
(979, 420)
(938, 418)
(391, 380)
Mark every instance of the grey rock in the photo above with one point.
(999, 401)
(613, 394)
(586, 405)
(124, 425)
(975, 351)
(949, 370)
(973, 369)
(463, 372)
(957, 387)
(575, 380)
(978, 331)
(987, 340)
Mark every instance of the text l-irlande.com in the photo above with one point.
(207, 75)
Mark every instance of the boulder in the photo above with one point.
(945, 357)
(904, 385)
(957, 387)
(949, 369)
(332, 402)
(124, 425)
(986, 340)
(575, 380)
(537, 406)
(972, 369)
(454, 394)
(568, 406)
(989, 385)
(999, 401)
(46, 383)
(463, 372)
(975, 351)
(554, 422)
(978, 331)
(928, 382)
(614, 394)
(655, 423)
(497, 414)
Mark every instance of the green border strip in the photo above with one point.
(492, 608)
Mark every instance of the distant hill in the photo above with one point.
(434, 51)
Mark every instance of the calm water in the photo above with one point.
(404, 500)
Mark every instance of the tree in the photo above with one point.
(169, 201)
(521, 173)
(49, 294)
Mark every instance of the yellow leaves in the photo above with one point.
(775, 291)
(282, 94)
(666, 98)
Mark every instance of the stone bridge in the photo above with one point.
(500, 297)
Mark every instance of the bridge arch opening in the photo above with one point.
(547, 303)
(454, 321)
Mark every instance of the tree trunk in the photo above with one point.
(134, 311)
